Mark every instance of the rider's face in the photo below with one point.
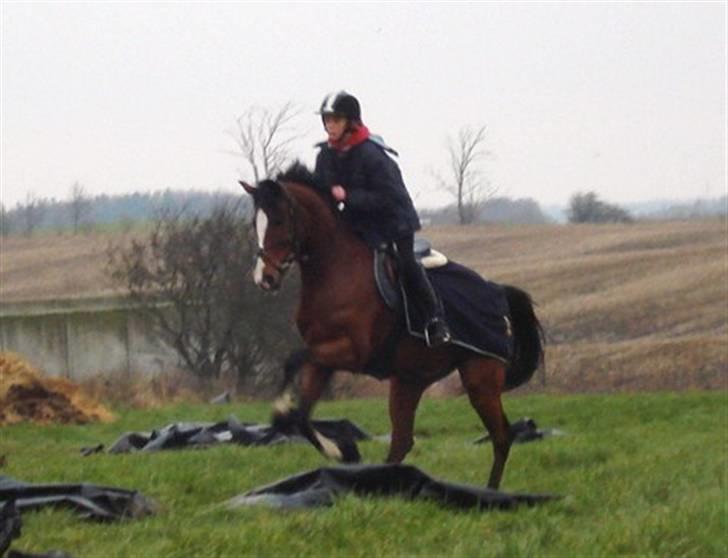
(335, 126)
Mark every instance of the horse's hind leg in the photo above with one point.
(484, 380)
(404, 397)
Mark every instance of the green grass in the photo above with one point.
(641, 474)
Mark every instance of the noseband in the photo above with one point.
(281, 267)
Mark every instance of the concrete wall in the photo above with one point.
(78, 339)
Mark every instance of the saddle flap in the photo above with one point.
(388, 289)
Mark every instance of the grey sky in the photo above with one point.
(627, 99)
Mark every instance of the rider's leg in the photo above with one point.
(417, 282)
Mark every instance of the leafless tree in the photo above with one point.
(192, 277)
(465, 180)
(33, 212)
(79, 206)
(264, 137)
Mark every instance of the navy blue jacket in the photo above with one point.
(377, 207)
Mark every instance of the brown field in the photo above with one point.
(625, 307)
(52, 266)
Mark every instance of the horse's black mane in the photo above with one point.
(300, 173)
(269, 190)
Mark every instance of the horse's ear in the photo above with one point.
(248, 188)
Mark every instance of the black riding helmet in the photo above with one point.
(341, 103)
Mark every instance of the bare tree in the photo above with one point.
(264, 137)
(191, 277)
(79, 206)
(465, 180)
(32, 212)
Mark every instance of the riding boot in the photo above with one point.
(436, 330)
(415, 278)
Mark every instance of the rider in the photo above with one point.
(368, 186)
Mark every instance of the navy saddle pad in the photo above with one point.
(476, 310)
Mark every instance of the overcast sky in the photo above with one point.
(626, 99)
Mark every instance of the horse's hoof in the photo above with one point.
(286, 422)
(349, 451)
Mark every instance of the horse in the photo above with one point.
(344, 322)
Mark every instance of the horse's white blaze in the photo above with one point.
(331, 450)
(261, 227)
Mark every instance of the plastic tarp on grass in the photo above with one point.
(10, 525)
(90, 501)
(526, 430)
(198, 434)
(320, 487)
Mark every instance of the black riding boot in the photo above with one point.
(416, 282)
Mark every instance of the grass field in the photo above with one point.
(641, 474)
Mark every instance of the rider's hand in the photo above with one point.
(338, 192)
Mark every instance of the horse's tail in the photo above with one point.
(527, 338)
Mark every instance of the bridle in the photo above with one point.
(293, 240)
(281, 267)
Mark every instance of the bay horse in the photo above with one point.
(344, 322)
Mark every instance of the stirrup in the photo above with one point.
(443, 335)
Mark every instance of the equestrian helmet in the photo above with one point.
(341, 103)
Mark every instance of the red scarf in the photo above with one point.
(359, 134)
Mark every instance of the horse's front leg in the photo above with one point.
(312, 383)
(292, 408)
(404, 396)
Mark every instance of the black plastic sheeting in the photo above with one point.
(196, 434)
(50, 554)
(525, 430)
(320, 487)
(89, 501)
(11, 527)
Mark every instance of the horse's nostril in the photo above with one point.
(268, 282)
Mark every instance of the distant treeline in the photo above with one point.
(125, 210)
(494, 210)
(87, 213)
(687, 210)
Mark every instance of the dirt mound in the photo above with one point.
(26, 395)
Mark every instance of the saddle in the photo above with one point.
(395, 297)
(477, 310)
(391, 291)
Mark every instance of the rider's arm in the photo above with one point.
(380, 183)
